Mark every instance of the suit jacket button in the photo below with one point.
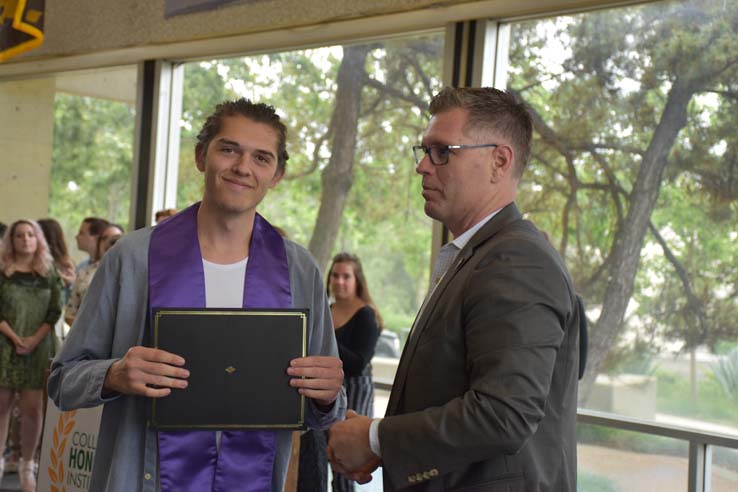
(434, 472)
(411, 479)
(426, 475)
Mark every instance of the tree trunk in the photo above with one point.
(338, 175)
(629, 241)
(693, 375)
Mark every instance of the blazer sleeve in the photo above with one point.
(512, 314)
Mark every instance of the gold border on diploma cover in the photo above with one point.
(211, 312)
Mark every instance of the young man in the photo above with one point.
(198, 258)
(485, 395)
(87, 236)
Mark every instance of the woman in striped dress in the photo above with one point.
(357, 323)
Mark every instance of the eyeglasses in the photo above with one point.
(439, 153)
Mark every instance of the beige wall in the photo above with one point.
(26, 137)
(83, 26)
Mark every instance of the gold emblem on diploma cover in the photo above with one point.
(230, 369)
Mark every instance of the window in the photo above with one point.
(94, 120)
(634, 175)
(353, 113)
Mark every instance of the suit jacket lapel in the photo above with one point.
(508, 214)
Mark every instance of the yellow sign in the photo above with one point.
(21, 26)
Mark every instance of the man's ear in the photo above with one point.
(200, 158)
(503, 159)
(278, 175)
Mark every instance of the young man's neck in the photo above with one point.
(224, 238)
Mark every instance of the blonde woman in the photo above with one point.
(30, 304)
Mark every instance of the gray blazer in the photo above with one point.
(486, 391)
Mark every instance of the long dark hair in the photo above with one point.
(57, 244)
(362, 289)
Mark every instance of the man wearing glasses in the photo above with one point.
(485, 394)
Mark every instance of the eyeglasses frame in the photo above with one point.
(427, 151)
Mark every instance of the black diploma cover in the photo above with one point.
(238, 360)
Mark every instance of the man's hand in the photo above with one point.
(349, 450)
(317, 377)
(147, 372)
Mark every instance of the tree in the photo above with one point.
(618, 121)
(91, 161)
(352, 112)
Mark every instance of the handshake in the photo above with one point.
(349, 450)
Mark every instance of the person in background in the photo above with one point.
(109, 235)
(54, 236)
(163, 214)
(30, 304)
(357, 324)
(89, 233)
(3, 228)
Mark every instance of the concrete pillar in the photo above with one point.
(26, 140)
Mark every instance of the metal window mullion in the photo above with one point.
(700, 464)
(176, 92)
(141, 172)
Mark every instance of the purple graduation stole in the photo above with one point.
(189, 460)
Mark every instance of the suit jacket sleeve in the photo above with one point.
(510, 319)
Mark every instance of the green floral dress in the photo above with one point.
(28, 300)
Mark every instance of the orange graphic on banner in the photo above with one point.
(63, 428)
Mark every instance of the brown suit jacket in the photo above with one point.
(486, 391)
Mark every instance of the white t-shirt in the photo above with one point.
(224, 289)
(224, 284)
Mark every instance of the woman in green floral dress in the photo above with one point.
(30, 304)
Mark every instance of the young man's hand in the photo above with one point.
(147, 372)
(317, 377)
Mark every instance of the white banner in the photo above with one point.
(68, 449)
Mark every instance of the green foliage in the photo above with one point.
(91, 161)
(383, 221)
(711, 405)
(599, 83)
(726, 372)
(630, 441)
(638, 358)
